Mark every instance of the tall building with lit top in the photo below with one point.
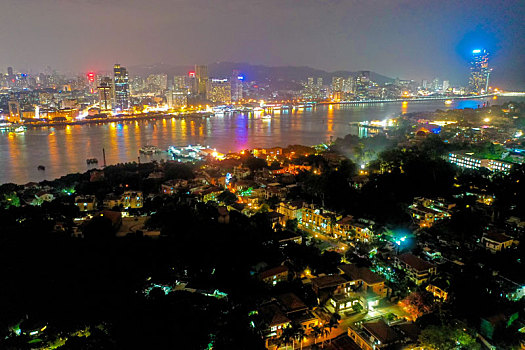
(236, 85)
(479, 71)
(121, 88)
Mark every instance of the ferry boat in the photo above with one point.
(149, 149)
(90, 161)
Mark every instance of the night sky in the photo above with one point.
(415, 39)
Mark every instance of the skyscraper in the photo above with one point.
(236, 85)
(105, 95)
(362, 83)
(219, 91)
(201, 80)
(446, 85)
(479, 71)
(121, 88)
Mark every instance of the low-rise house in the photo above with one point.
(274, 275)
(374, 335)
(132, 200)
(44, 196)
(327, 286)
(207, 194)
(276, 219)
(297, 311)
(291, 210)
(418, 270)
(111, 201)
(172, 186)
(86, 203)
(362, 278)
(348, 227)
(439, 288)
(427, 211)
(497, 242)
(318, 220)
(272, 321)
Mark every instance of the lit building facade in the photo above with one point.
(479, 71)
(121, 88)
(105, 95)
(467, 160)
(176, 99)
(219, 91)
(201, 80)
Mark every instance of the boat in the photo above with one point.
(149, 149)
(20, 129)
(92, 161)
(266, 117)
(41, 167)
(448, 102)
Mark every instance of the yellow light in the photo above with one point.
(486, 120)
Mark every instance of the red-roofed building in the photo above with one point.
(274, 275)
(418, 270)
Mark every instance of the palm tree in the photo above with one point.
(317, 331)
(299, 332)
(287, 336)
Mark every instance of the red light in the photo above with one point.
(191, 73)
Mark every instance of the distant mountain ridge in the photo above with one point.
(254, 72)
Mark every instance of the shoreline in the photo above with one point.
(160, 116)
(119, 119)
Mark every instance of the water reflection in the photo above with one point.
(64, 150)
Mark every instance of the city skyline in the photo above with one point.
(396, 39)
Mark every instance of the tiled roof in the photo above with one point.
(328, 281)
(381, 331)
(291, 302)
(353, 272)
(416, 263)
(273, 271)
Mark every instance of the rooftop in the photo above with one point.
(415, 262)
(273, 271)
(291, 302)
(381, 331)
(353, 272)
(498, 237)
(328, 281)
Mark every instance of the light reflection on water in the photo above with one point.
(64, 149)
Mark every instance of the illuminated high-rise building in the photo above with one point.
(157, 82)
(219, 91)
(201, 80)
(337, 84)
(105, 95)
(446, 85)
(362, 82)
(479, 71)
(121, 88)
(236, 81)
(176, 99)
(349, 85)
